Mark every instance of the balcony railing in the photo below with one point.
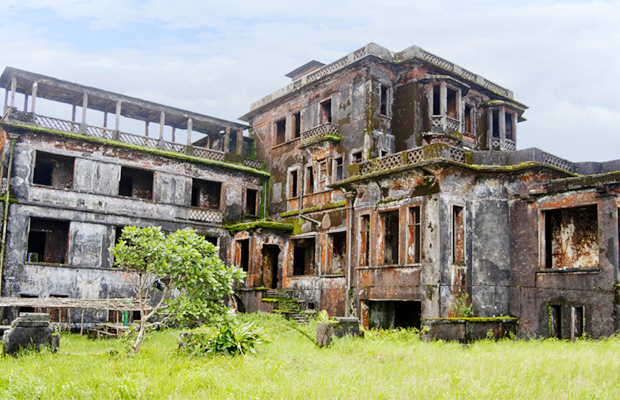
(209, 216)
(105, 133)
(502, 145)
(319, 133)
(411, 157)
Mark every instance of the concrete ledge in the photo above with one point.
(470, 329)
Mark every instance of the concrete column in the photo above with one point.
(26, 102)
(502, 126)
(146, 128)
(118, 115)
(73, 110)
(13, 89)
(489, 127)
(189, 131)
(6, 97)
(459, 111)
(227, 140)
(173, 134)
(443, 94)
(35, 90)
(162, 122)
(239, 141)
(84, 107)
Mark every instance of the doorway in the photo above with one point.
(271, 254)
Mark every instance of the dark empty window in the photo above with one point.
(243, 254)
(47, 241)
(578, 324)
(468, 120)
(281, 131)
(296, 125)
(390, 237)
(384, 100)
(338, 169)
(214, 240)
(118, 232)
(571, 238)
(395, 314)
(495, 123)
(326, 112)
(458, 235)
(303, 256)
(555, 321)
(293, 184)
(232, 143)
(251, 202)
(509, 126)
(309, 179)
(136, 183)
(338, 249)
(436, 100)
(452, 104)
(206, 194)
(356, 157)
(323, 174)
(53, 170)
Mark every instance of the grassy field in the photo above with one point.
(384, 365)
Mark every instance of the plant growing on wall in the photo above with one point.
(460, 306)
(183, 262)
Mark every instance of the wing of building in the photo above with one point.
(386, 186)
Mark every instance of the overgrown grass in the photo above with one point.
(384, 365)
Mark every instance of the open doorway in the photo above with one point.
(271, 253)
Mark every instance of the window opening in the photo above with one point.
(53, 170)
(293, 183)
(458, 235)
(468, 121)
(436, 100)
(452, 104)
(384, 100)
(56, 313)
(323, 173)
(326, 112)
(338, 250)
(390, 237)
(281, 131)
(509, 130)
(27, 309)
(243, 254)
(415, 245)
(495, 123)
(297, 125)
(214, 240)
(206, 194)
(47, 241)
(364, 240)
(251, 202)
(578, 323)
(357, 157)
(395, 314)
(136, 183)
(303, 256)
(310, 179)
(339, 169)
(571, 237)
(232, 143)
(555, 321)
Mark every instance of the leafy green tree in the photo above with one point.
(183, 264)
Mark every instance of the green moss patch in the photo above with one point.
(245, 226)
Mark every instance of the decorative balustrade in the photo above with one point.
(210, 216)
(502, 145)
(453, 124)
(137, 140)
(557, 162)
(411, 157)
(319, 132)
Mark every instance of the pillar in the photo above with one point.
(35, 90)
(189, 131)
(118, 116)
(13, 89)
(162, 122)
(443, 108)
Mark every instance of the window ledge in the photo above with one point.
(390, 266)
(575, 271)
(70, 266)
(285, 143)
(333, 276)
(302, 276)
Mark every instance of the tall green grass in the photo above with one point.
(384, 365)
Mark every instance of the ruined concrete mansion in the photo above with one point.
(383, 186)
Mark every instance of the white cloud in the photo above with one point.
(216, 57)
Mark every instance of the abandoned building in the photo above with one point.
(382, 186)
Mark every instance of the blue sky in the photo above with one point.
(561, 58)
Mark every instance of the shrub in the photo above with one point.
(230, 337)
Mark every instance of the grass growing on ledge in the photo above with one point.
(385, 364)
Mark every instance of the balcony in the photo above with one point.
(319, 134)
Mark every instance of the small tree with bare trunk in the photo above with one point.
(184, 263)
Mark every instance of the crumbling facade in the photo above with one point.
(392, 190)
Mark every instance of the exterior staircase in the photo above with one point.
(289, 306)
